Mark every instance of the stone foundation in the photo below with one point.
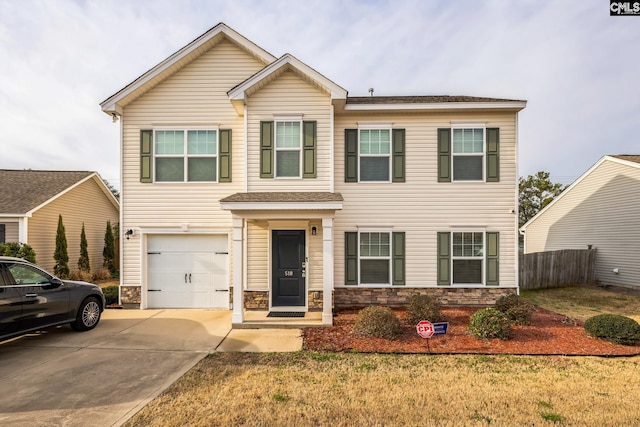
(399, 296)
(259, 300)
(315, 300)
(130, 296)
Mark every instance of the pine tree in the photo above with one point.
(61, 269)
(83, 261)
(109, 251)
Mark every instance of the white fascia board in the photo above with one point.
(238, 93)
(16, 216)
(279, 206)
(110, 105)
(516, 105)
(566, 190)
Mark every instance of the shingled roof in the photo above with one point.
(24, 190)
(282, 197)
(629, 157)
(436, 99)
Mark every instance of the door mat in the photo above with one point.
(286, 314)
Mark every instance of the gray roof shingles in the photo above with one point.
(23, 190)
(629, 157)
(283, 197)
(436, 99)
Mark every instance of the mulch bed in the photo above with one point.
(548, 334)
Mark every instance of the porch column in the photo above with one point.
(327, 271)
(237, 317)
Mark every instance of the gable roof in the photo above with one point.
(632, 160)
(114, 104)
(286, 62)
(24, 191)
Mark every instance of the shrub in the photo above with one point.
(614, 328)
(379, 322)
(61, 269)
(490, 323)
(18, 250)
(80, 275)
(423, 307)
(517, 309)
(111, 294)
(103, 274)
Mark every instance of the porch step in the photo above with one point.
(259, 320)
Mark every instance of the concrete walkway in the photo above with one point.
(104, 376)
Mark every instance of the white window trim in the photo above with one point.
(185, 153)
(375, 126)
(470, 125)
(484, 255)
(388, 258)
(287, 119)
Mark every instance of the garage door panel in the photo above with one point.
(188, 271)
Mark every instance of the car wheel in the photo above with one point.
(88, 315)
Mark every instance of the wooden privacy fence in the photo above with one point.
(554, 269)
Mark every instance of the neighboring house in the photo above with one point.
(601, 209)
(31, 200)
(255, 182)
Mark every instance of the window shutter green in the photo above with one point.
(266, 149)
(309, 149)
(351, 155)
(444, 259)
(398, 258)
(398, 155)
(493, 255)
(444, 155)
(493, 154)
(351, 258)
(146, 155)
(225, 156)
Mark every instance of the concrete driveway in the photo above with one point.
(104, 376)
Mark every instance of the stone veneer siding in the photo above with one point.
(259, 300)
(398, 296)
(130, 296)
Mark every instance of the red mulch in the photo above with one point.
(548, 334)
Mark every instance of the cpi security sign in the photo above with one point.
(427, 329)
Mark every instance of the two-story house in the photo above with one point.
(256, 183)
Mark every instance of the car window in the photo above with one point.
(26, 275)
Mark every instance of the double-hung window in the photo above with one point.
(467, 257)
(375, 258)
(186, 155)
(288, 156)
(468, 154)
(375, 154)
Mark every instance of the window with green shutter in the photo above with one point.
(351, 258)
(375, 258)
(468, 154)
(309, 149)
(146, 155)
(493, 255)
(351, 155)
(399, 273)
(266, 149)
(444, 155)
(374, 155)
(493, 154)
(468, 258)
(225, 156)
(444, 259)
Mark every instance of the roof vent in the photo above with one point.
(370, 91)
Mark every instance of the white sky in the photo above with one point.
(577, 67)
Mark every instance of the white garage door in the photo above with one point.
(188, 271)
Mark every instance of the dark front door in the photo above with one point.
(288, 268)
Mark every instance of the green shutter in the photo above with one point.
(351, 155)
(444, 259)
(266, 149)
(224, 153)
(444, 155)
(493, 255)
(146, 156)
(398, 258)
(350, 258)
(309, 149)
(398, 155)
(493, 154)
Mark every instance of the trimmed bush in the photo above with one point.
(378, 322)
(517, 309)
(111, 294)
(103, 274)
(613, 327)
(423, 307)
(490, 323)
(80, 275)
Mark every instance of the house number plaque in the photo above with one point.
(288, 273)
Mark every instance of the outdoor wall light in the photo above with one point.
(314, 231)
(128, 233)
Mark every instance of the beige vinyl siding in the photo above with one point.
(11, 231)
(194, 96)
(421, 207)
(602, 210)
(290, 94)
(87, 204)
(315, 255)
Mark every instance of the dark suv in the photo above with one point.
(32, 299)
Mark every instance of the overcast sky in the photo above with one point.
(577, 67)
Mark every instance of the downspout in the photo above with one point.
(331, 150)
(517, 210)
(246, 149)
